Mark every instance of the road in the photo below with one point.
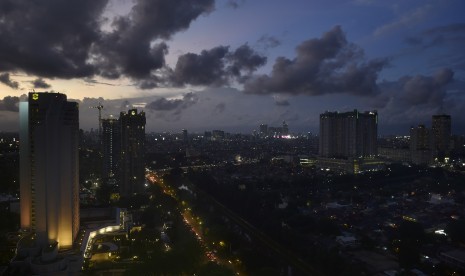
(193, 224)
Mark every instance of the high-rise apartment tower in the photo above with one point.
(111, 149)
(132, 152)
(420, 145)
(49, 168)
(349, 134)
(441, 135)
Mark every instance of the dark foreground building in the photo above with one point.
(132, 152)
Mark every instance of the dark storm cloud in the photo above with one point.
(40, 83)
(148, 83)
(416, 90)
(49, 38)
(92, 82)
(323, 65)
(426, 90)
(5, 79)
(246, 59)
(135, 59)
(129, 49)
(9, 103)
(64, 39)
(163, 104)
(204, 69)
(411, 99)
(216, 66)
(269, 41)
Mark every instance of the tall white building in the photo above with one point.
(49, 168)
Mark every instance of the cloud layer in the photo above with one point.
(65, 39)
(49, 38)
(6, 80)
(54, 39)
(163, 104)
(40, 83)
(9, 104)
(329, 64)
(217, 66)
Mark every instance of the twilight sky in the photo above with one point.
(233, 64)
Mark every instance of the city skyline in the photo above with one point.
(230, 65)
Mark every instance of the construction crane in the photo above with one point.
(99, 107)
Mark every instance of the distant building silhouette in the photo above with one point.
(285, 129)
(275, 132)
(263, 130)
(441, 136)
(218, 135)
(185, 137)
(207, 135)
(49, 168)
(349, 134)
(132, 152)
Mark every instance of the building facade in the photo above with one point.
(348, 135)
(420, 145)
(132, 152)
(49, 168)
(441, 136)
(111, 150)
